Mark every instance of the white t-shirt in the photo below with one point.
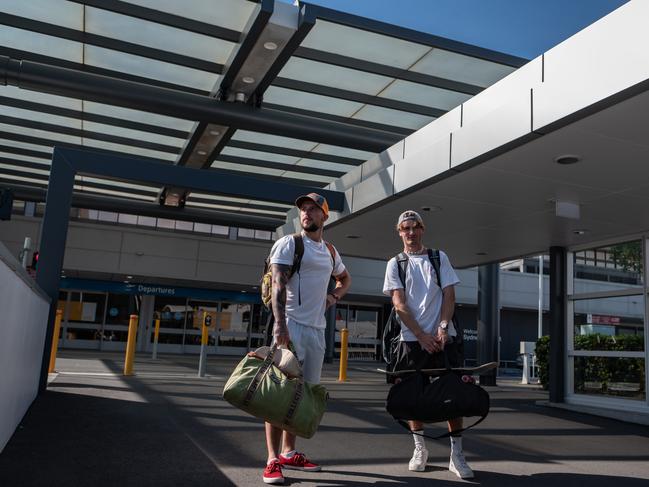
(309, 285)
(423, 295)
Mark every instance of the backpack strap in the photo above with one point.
(444, 435)
(332, 251)
(433, 255)
(402, 264)
(297, 261)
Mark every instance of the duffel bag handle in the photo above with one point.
(256, 380)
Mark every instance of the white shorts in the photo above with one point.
(309, 343)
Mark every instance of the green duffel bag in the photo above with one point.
(259, 388)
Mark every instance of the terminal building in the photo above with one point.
(151, 155)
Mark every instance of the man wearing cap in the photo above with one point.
(299, 304)
(425, 311)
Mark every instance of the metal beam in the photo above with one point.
(66, 82)
(123, 205)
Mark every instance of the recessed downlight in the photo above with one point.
(201, 152)
(215, 132)
(567, 159)
(271, 46)
(248, 79)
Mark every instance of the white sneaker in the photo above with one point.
(418, 461)
(458, 465)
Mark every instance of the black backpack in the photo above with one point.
(392, 328)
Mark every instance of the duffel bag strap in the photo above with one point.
(299, 391)
(256, 380)
(444, 435)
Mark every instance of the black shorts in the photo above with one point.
(410, 355)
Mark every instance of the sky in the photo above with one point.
(525, 28)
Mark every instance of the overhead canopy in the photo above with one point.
(327, 65)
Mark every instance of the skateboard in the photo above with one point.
(458, 370)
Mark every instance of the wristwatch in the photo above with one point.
(443, 325)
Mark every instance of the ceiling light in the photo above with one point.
(215, 132)
(201, 153)
(579, 231)
(129, 277)
(567, 159)
(248, 80)
(271, 46)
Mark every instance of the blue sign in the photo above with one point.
(158, 290)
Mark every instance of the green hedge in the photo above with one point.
(602, 370)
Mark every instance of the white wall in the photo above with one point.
(22, 334)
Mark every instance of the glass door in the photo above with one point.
(607, 326)
(197, 309)
(233, 328)
(83, 320)
(172, 313)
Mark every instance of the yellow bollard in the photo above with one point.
(130, 345)
(204, 335)
(342, 376)
(156, 333)
(55, 339)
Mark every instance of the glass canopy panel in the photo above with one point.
(18, 158)
(135, 135)
(249, 170)
(31, 170)
(419, 94)
(129, 150)
(120, 184)
(395, 118)
(459, 67)
(37, 97)
(308, 177)
(149, 68)
(157, 36)
(199, 204)
(41, 44)
(23, 179)
(231, 14)
(259, 156)
(64, 14)
(362, 44)
(109, 192)
(137, 116)
(309, 101)
(333, 166)
(334, 76)
(334, 150)
(274, 140)
(70, 139)
(25, 145)
(40, 117)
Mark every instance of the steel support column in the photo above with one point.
(488, 322)
(54, 232)
(558, 293)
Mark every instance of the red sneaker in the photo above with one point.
(299, 462)
(273, 473)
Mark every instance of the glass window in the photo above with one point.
(203, 227)
(146, 221)
(609, 268)
(220, 230)
(172, 313)
(615, 323)
(610, 376)
(233, 324)
(246, 233)
(107, 216)
(128, 219)
(119, 309)
(184, 226)
(262, 234)
(85, 316)
(166, 223)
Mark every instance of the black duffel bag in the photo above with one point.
(447, 397)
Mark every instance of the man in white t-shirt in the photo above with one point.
(299, 302)
(425, 311)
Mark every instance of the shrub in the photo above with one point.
(543, 359)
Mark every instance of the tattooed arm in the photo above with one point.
(280, 274)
